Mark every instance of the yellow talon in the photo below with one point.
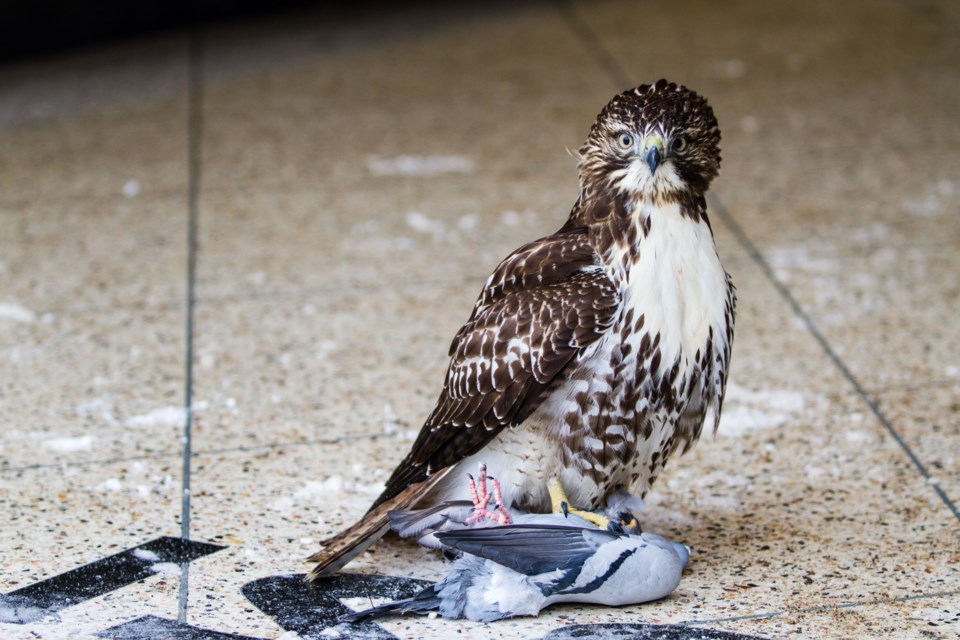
(559, 503)
(558, 497)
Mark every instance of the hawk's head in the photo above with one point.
(657, 142)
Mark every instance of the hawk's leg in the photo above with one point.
(561, 504)
(480, 497)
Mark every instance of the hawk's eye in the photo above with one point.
(625, 140)
(679, 145)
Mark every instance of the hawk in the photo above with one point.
(594, 354)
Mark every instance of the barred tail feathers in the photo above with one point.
(348, 544)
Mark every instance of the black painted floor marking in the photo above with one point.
(43, 598)
(152, 628)
(643, 632)
(310, 607)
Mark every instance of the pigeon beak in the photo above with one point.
(654, 153)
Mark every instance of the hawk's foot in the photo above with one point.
(561, 504)
(480, 497)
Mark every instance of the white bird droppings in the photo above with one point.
(16, 313)
(131, 188)
(70, 444)
(144, 554)
(419, 165)
(163, 417)
(745, 410)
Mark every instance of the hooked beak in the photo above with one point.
(653, 153)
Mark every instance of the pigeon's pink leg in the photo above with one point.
(480, 497)
(480, 500)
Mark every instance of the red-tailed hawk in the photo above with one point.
(595, 353)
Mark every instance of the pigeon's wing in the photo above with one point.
(530, 549)
(544, 305)
(439, 517)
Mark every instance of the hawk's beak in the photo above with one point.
(653, 153)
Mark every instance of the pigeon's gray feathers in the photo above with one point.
(529, 549)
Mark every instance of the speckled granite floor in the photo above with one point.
(353, 178)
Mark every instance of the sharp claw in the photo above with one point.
(564, 509)
(503, 516)
(473, 492)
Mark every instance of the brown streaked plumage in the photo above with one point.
(594, 353)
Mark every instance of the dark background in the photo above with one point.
(38, 28)
(41, 27)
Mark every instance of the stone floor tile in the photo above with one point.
(359, 179)
(928, 418)
(929, 617)
(81, 254)
(98, 386)
(365, 233)
(104, 122)
(63, 517)
(882, 313)
(336, 99)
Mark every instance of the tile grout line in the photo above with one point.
(344, 292)
(838, 362)
(204, 452)
(271, 294)
(594, 47)
(194, 135)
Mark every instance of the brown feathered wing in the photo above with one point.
(542, 307)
